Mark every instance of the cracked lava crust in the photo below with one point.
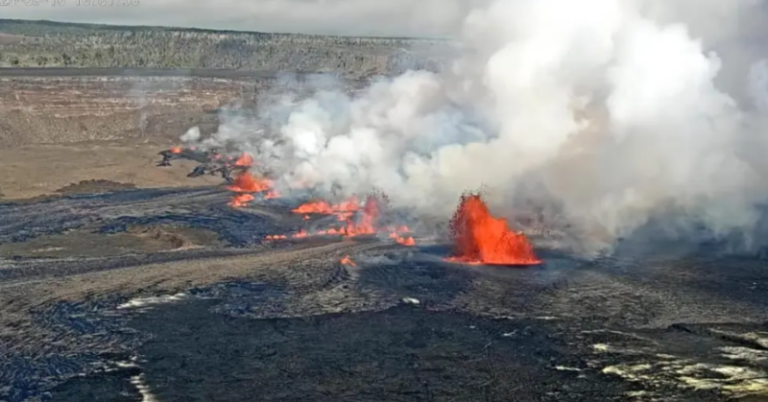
(231, 293)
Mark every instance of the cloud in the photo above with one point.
(346, 17)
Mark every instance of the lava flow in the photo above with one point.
(356, 221)
(241, 200)
(405, 241)
(246, 183)
(343, 210)
(481, 238)
(347, 261)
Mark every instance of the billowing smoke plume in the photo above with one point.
(191, 136)
(603, 112)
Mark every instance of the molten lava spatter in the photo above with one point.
(366, 224)
(343, 210)
(347, 261)
(241, 200)
(481, 238)
(356, 221)
(405, 241)
(244, 160)
(246, 183)
(397, 234)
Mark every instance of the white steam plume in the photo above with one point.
(192, 135)
(609, 109)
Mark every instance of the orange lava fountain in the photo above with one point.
(367, 222)
(244, 160)
(481, 238)
(246, 183)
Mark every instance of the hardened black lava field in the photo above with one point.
(169, 293)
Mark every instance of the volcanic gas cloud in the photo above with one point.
(608, 112)
(481, 238)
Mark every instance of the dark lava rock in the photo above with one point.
(94, 187)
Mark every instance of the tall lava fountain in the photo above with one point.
(481, 238)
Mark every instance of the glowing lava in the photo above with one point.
(356, 221)
(343, 210)
(246, 183)
(244, 160)
(176, 150)
(405, 241)
(366, 224)
(347, 261)
(241, 200)
(481, 238)
(396, 235)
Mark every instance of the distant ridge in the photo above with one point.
(8, 25)
(45, 43)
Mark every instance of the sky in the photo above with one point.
(402, 18)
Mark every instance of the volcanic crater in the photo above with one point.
(223, 290)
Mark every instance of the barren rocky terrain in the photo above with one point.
(171, 295)
(62, 126)
(76, 105)
(124, 281)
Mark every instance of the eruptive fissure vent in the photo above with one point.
(481, 238)
(353, 219)
(246, 183)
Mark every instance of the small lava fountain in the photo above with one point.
(482, 239)
(246, 184)
(353, 219)
(347, 261)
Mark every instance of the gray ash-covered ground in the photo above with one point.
(170, 294)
